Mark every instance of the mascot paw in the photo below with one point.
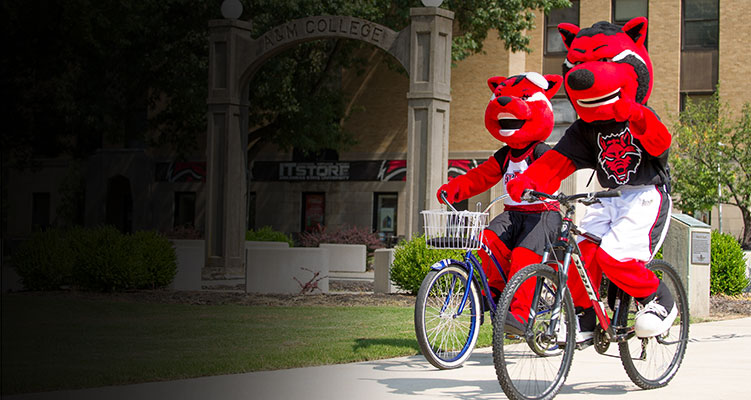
(517, 186)
(452, 193)
(626, 110)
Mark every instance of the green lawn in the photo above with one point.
(52, 342)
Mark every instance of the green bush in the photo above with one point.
(45, 261)
(266, 234)
(728, 268)
(412, 261)
(105, 259)
(99, 258)
(156, 259)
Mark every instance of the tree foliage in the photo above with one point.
(711, 151)
(295, 99)
(81, 72)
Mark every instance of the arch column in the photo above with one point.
(226, 144)
(429, 99)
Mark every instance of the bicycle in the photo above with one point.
(446, 330)
(526, 373)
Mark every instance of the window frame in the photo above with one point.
(684, 46)
(176, 208)
(621, 23)
(555, 26)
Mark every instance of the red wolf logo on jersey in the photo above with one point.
(619, 156)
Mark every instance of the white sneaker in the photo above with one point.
(654, 319)
(581, 337)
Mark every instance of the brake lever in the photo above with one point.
(590, 199)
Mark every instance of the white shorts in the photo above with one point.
(633, 226)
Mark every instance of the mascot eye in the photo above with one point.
(606, 60)
(525, 97)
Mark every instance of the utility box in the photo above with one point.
(687, 247)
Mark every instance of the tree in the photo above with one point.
(295, 99)
(712, 150)
(81, 71)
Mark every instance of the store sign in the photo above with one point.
(365, 170)
(292, 171)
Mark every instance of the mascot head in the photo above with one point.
(605, 63)
(520, 112)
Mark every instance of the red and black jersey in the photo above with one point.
(515, 161)
(618, 157)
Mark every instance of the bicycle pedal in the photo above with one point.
(583, 345)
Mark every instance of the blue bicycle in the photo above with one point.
(452, 300)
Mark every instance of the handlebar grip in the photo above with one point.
(609, 193)
(444, 197)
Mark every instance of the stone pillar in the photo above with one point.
(226, 144)
(429, 98)
(687, 248)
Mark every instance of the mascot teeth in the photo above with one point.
(609, 98)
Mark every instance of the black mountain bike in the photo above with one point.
(535, 365)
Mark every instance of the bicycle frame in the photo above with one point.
(475, 273)
(567, 244)
(472, 264)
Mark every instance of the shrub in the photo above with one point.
(728, 268)
(184, 232)
(412, 261)
(266, 234)
(45, 261)
(99, 258)
(156, 259)
(105, 259)
(353, 235)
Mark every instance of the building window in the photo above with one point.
(313, 211)
(553, 42)
(701, 24)
(40, 211)
(384, 213)
(626, 10)
(696, 98)
(185, 209)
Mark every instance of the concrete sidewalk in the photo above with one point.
(716, 366)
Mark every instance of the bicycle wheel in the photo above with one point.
(652, 362)
(447, 338)
(533, 366)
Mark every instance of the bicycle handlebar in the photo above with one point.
(444, 197)
(585, 198)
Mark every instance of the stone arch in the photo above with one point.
(423, 48)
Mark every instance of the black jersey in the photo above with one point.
(618, 157)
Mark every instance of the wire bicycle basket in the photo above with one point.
(454, 229)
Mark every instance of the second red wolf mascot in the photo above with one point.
(520, 115)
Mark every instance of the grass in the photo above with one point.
(53, 342)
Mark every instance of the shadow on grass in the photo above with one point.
(362, 343)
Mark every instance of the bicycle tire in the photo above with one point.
(446, 339)
(520, 367)
(652, 362)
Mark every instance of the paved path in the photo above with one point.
(716, 367)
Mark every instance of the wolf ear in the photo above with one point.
(636, 29)
(554, 83)
(494, 82)
(568, 33)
